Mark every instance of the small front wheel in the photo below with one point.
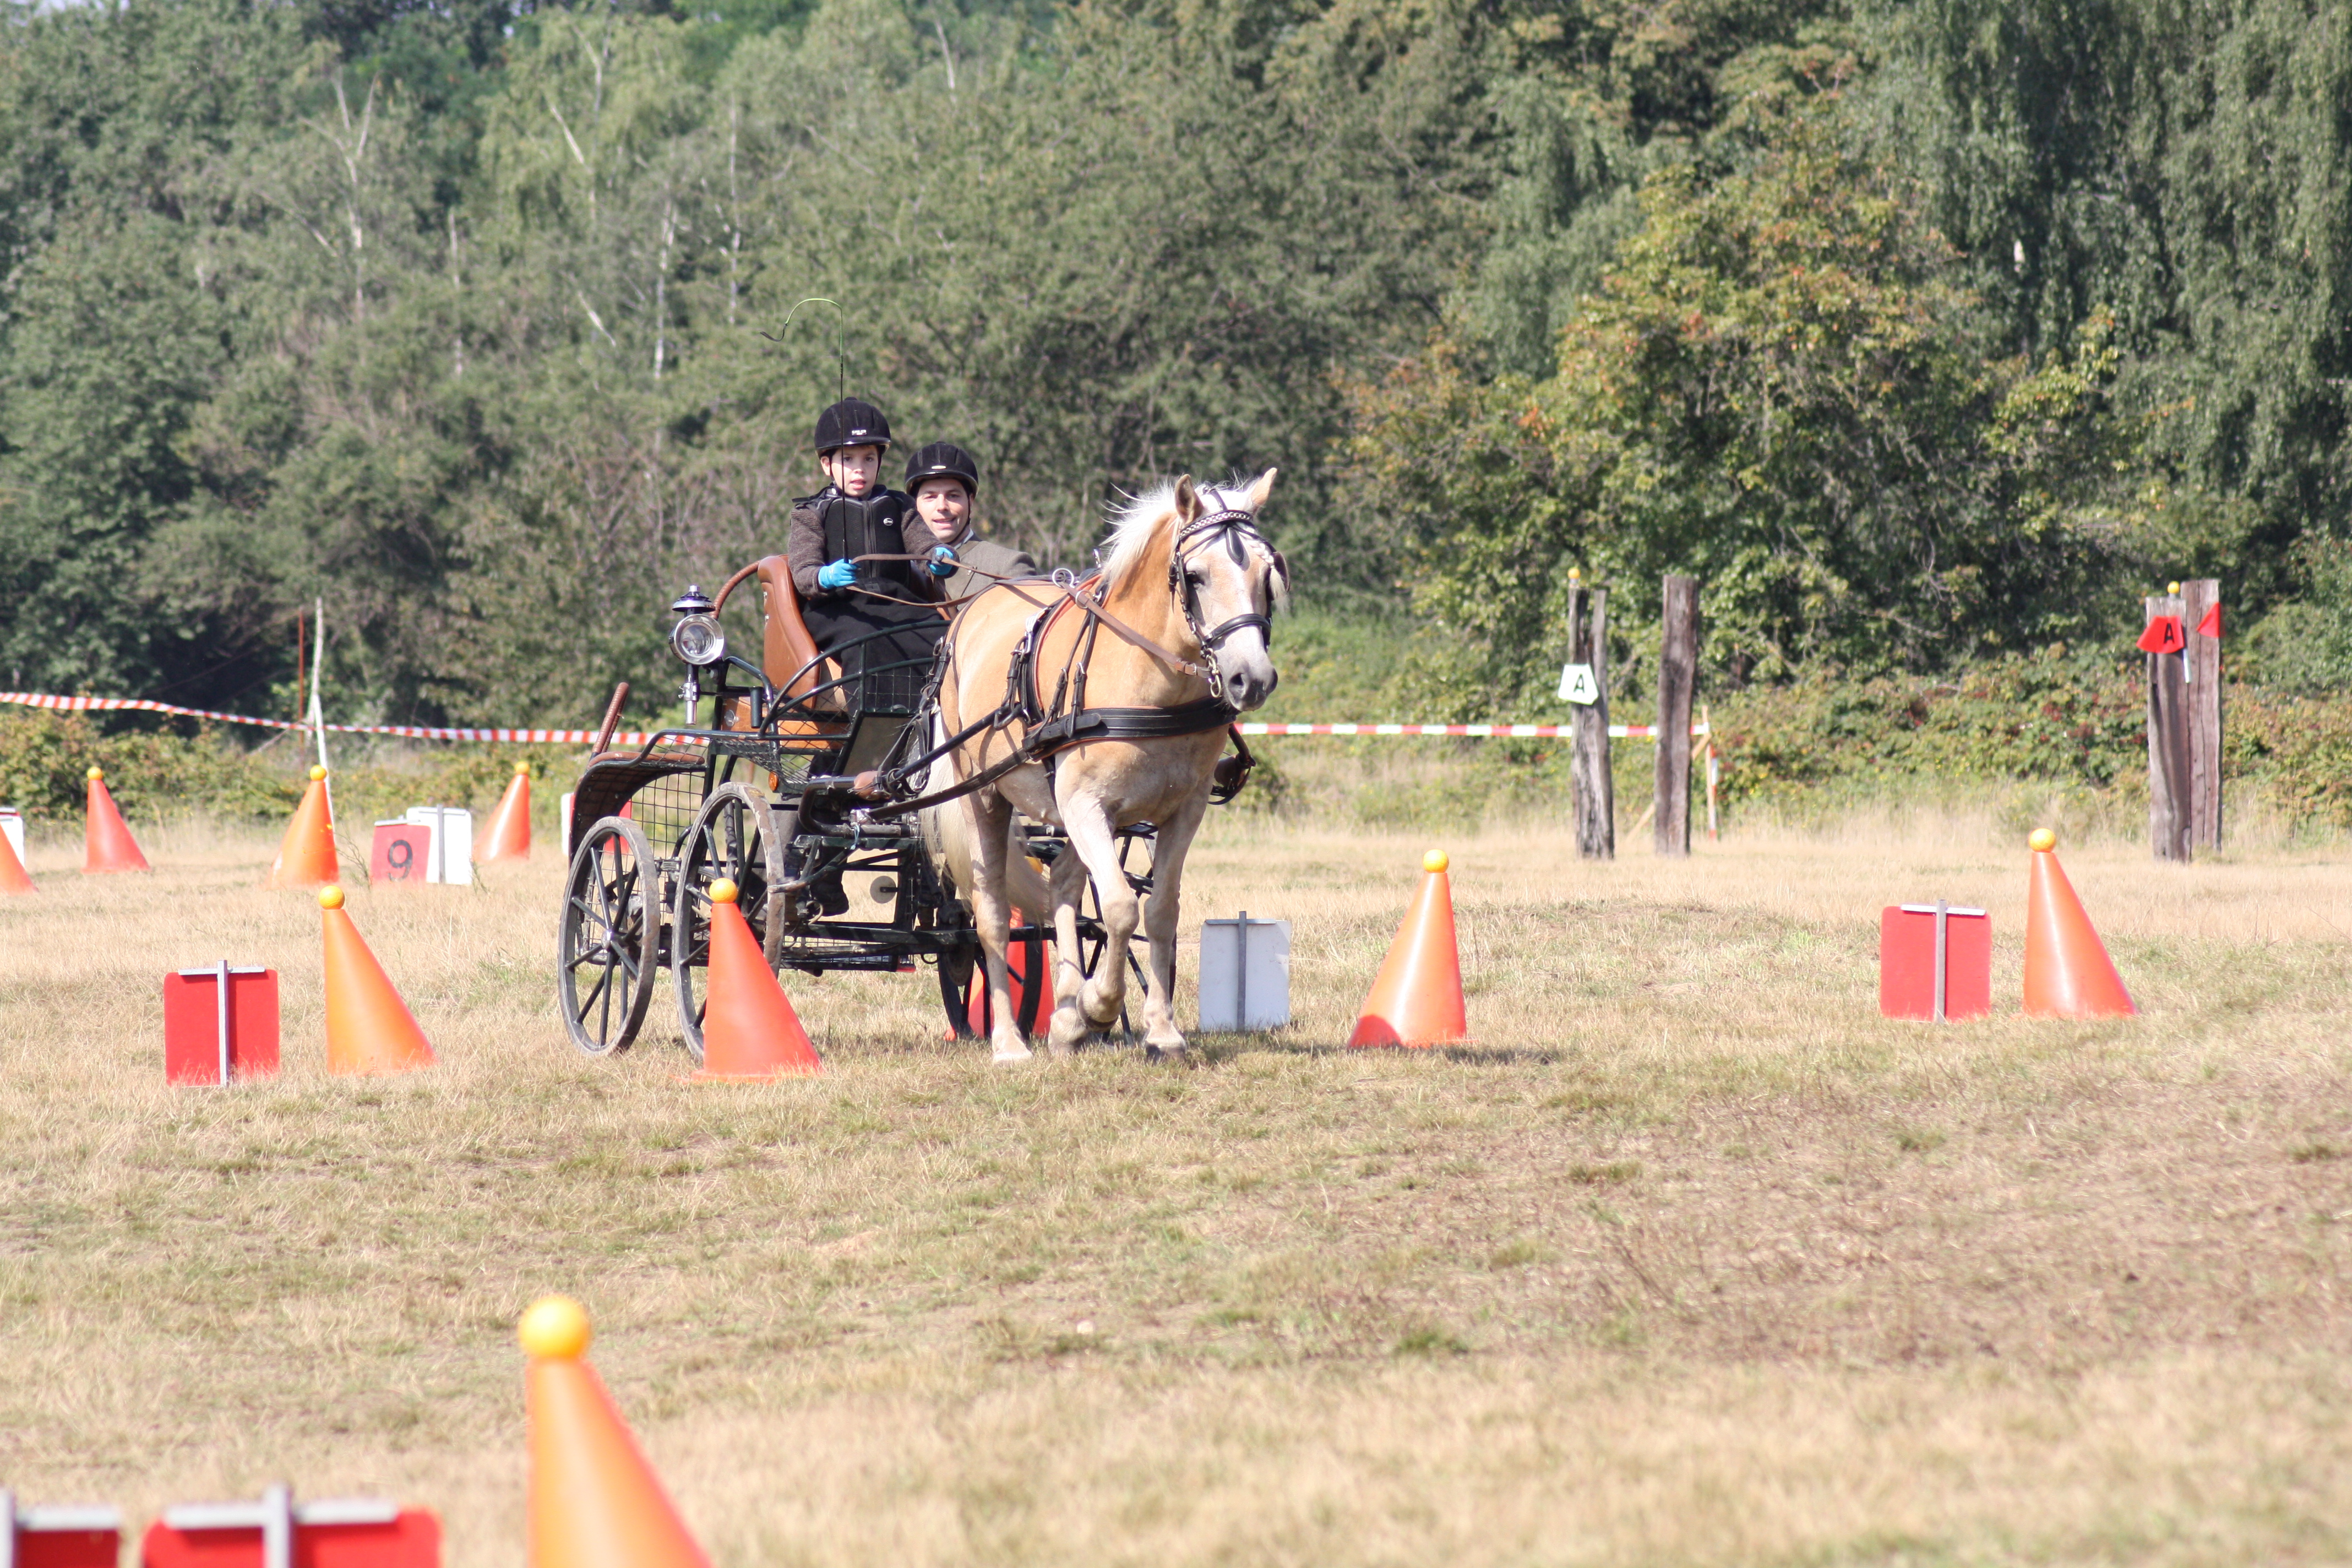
(608, 943)
(738, 835)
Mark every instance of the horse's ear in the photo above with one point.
(1261, 488)
(1188, 502)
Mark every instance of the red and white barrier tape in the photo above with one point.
(411, 732)
(639, 738)
(1490, 732)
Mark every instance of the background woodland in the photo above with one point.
(1929, 336)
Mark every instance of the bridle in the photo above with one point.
(1236, 528)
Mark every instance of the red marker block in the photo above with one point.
(220, 1024)
(277, 1532)
(401, 852)
(59, 1537)
(1935, 961)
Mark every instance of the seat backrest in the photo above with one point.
(787, 652)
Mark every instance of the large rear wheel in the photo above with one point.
(608, 943)
(738, 835)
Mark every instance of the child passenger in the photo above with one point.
(866, 613)
(945, 481)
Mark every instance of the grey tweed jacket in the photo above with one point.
(999, 561)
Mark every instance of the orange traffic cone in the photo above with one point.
(749, 1027)
(106, 843)
(1416, 998)
(980, 1010)
(306, 856)
(509, 835)
(369, 1028)
(2067, 972)
(13, 878)
(594, 1500)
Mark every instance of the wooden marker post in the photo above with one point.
(1596, 794)
(2168, 783)
(2199, 598)
(1677, 673)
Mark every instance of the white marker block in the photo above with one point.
(1244, 974)
(11, 823)
(450, 857)
(567, 822)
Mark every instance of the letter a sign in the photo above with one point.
(1577, 685)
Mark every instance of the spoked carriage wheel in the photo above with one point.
(609, 942)
(956, 969)
(738, 835)
(1091, 947)
(961, 970)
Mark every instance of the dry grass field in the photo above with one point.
(1691, 1259)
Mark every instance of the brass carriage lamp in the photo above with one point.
(698, 639)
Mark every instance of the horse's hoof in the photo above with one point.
(1007, 1054)
(1177, 1055)
(1068, 1032)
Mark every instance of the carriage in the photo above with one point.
(759, 785)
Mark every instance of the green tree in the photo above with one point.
(1777, 389)
(2185, 168)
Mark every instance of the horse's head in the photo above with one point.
(1229, 581)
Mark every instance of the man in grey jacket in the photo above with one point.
(944, 481)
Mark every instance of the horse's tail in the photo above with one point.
(948, 833)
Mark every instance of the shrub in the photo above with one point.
(46, 757)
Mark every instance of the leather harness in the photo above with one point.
(1051, 728)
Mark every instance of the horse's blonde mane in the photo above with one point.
(1135, 525)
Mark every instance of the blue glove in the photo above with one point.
(836, 574)
(943, 561)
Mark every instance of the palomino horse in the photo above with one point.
(1186, 592)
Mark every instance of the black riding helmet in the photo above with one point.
(852, 422)
(943, 461)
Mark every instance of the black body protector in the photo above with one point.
(890, 616)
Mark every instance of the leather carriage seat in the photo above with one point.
(788, 653)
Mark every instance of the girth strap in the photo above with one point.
(1082, 727)
(1129, 724)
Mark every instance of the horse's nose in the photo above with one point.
(1250, 690)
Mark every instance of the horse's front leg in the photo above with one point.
(1069, 884)
(1161, 919)
(993, 914)
(1094, 1006)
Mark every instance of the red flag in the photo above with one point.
(2210, 626)
(2163, 636)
